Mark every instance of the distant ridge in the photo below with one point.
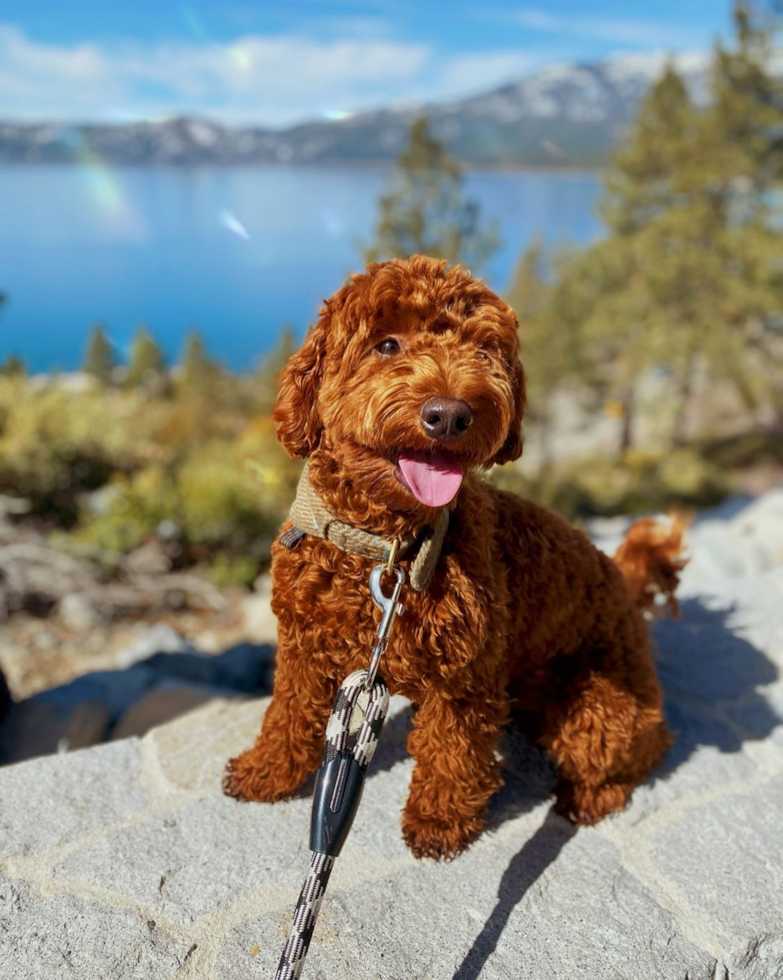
(562, 115)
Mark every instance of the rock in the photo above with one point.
(14, 506)
(79, 612)
(726, 857)
(153, 639)
(531, 898)
(66, 799)
(35, 575)
(5, 697)
(743, 536)
(165, 701)
(131, 701)
(34, 728)
(65, 934)
(192, 751)
(685, 883)
(762, 960)
(116, 689)
(260, 621)
(247, 667)
(150, 559)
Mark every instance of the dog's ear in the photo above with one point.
(512, 447)
(296, 409)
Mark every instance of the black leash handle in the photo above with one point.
(348, 749)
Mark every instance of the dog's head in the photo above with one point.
(416, 366)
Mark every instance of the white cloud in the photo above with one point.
(642, 33)
(267, 80)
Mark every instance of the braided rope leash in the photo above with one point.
(348, 750)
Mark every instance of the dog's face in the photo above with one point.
(415, 367)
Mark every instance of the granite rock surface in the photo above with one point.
(124, 860)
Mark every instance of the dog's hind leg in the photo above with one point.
(606, 733)
(292, 734)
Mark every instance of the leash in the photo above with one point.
(348, 749)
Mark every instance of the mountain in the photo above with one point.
(565, 115)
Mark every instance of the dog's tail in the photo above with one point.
(651, 559)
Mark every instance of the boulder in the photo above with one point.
(165, 701)
(33, 728)
(126, 860)
(260, 621)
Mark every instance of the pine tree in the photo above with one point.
(642, 180)
(688, 278)
(100, 358)
(13, 367)
(146, 364)
(198, 368)
(743, 164)
(424, 210)
(548, 307)
(268, 374)
(622, 326)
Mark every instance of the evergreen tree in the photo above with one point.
(146, 364)
(197, 366)
(607, 285)
(688, 277)
(548, 305)
(745, 114)
(743, 163)
(100, 359)
(642, 180)
(13, 367)
(268, 374)
(424, 210)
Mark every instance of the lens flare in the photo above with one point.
(104, 189)
(191, 18)
(335, 115)
(234, 225)
(241, 57)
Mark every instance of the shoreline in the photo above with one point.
(371, 165)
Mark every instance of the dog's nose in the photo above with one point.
(446, 419)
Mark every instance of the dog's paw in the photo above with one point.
(247, 779)
(440, 839)
(587, 805)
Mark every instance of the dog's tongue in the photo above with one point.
(433, 478)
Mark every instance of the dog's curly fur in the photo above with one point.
(523, 616)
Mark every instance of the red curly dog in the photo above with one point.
(410, 383)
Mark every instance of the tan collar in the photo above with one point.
(310, 515)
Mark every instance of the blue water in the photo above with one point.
(127, 246)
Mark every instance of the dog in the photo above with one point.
(407, 387)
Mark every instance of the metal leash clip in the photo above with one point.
(391, 609)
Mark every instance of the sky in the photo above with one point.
(279, 62)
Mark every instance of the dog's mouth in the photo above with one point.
(432, 478)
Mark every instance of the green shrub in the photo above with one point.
(639, 483)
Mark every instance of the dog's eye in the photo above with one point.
(388, 347)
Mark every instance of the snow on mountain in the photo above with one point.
(562, 114)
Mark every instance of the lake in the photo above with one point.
(237, 252)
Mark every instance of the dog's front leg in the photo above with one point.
(292, 734)
(456, 773)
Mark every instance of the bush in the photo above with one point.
(637, 484)
(198, 466)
